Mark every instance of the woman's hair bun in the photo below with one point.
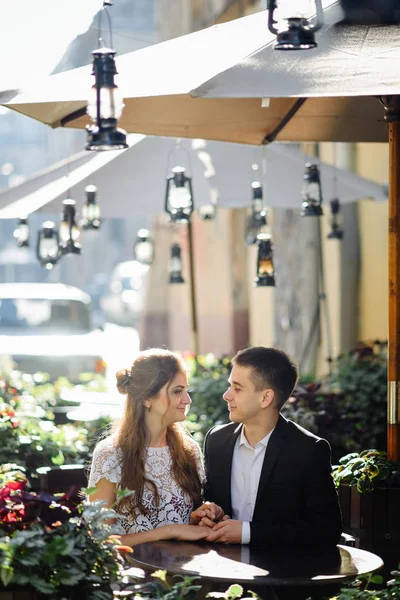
(123, 380)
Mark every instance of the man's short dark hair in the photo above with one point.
(270, 368)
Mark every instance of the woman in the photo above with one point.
(150, 454)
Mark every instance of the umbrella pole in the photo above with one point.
(392, 107)
(195, 331)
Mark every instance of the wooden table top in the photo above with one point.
(244, 564)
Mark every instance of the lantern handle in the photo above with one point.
(175, 148)
(271, 6)
(319, 16)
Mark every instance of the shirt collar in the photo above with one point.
(243, 440)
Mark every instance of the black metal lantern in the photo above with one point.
(336, 232)
(105, 105)
(69, 230)
(297, 32)
(91, 218)
(21, 233)
(311, 192)
(48, 245)
(179, 195)
(175, 265)
(144, 247)
(257, 217)
(265, 262)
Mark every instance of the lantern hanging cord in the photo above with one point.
(104, 9)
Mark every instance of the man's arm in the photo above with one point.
(321, 523)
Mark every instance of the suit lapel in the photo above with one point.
(275, 445)
(225, 456)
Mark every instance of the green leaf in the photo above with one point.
(6, 574)
(59, 459)
(234, 591)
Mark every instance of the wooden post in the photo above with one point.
(392, 107)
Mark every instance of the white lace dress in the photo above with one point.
(174, 506)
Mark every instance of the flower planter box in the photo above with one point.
(374, 520)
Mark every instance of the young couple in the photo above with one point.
(267, 481)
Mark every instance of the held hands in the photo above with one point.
(207, 514)
(227, 531)
(188, 533)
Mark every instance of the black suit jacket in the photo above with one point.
(296, 502)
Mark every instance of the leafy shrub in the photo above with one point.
(28, 434)
(347, 408)
(55, 544)
(208, 382)
(366, 470)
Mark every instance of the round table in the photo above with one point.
(244, 564)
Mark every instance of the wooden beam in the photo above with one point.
(392, 106)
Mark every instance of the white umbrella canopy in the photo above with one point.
(133, 181)
(208, 84)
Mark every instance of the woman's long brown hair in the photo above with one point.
(150, 372)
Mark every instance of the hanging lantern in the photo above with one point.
(105, 105)
(265, 262)
(90, 210)
(175, 265)
(69, 231)
(258, 215)
(296, 32)
(179, 195)
(47, 247)
(336, 232)
(311, 192)
(21, 233)
(144, 247)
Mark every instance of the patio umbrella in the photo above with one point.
(167, 87)
(134, 180)
(227, 83)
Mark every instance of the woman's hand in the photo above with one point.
(207, 514)
(187, 533)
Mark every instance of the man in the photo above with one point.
(272, 476)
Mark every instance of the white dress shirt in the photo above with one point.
(247, 463)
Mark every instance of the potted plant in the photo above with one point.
(54, 547)
(369, 493)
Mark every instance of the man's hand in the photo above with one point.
(207, 514)
(227, 531)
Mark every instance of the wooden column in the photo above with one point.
(392, 107)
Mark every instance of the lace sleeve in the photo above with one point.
(106, 463)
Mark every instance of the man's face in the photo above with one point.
(245, 404)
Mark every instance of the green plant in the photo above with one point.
(234, 591)
(186, 587)
(359, 589)
(208, 382)
(55, 545)
(366, 470)
(28, 434)
(348, 407)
